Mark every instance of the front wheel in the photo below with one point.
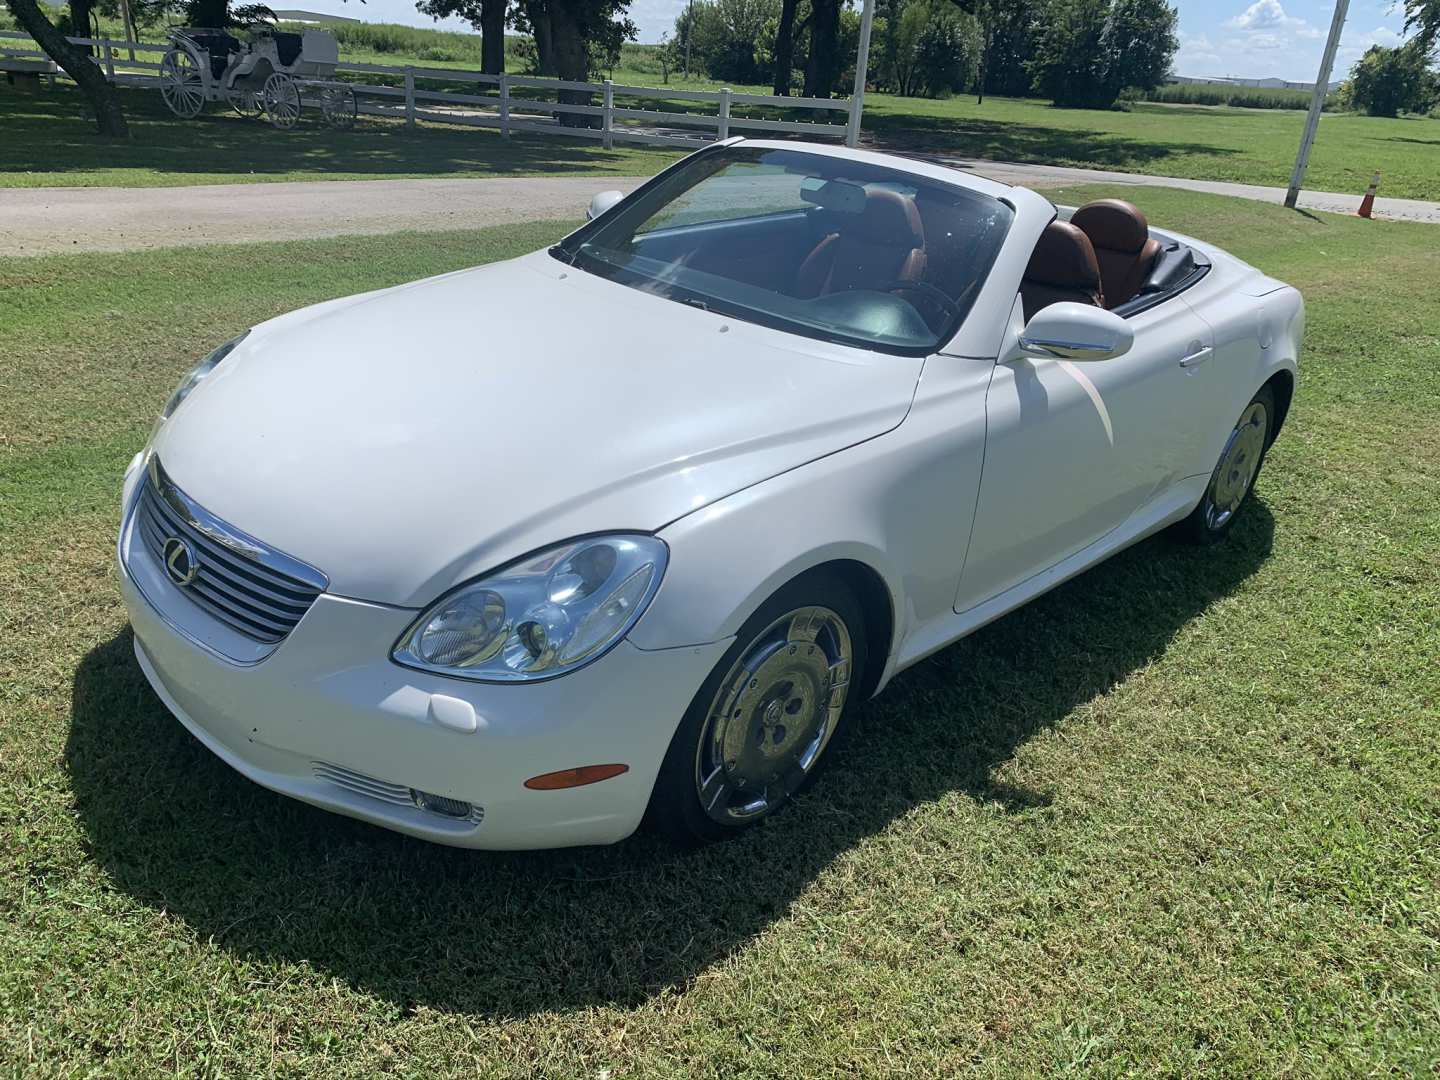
(758, 730)
(1234, 476)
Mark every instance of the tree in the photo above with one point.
(568, 36)
(1387, 82)
(487, 16)
(1088, 51)
(1007, 40)
(822, 67)
(728, 37)
(1423, 16)
(929, 47)
(104, 102)
(784, 51)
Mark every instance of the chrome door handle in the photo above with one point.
(1195, 359)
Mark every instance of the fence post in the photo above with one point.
(723, 132)
(504, 105)
(608, 117)
(109, 61)
(409, 97)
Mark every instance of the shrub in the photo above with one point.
(1387, 82)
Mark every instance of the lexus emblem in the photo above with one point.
(180, 561)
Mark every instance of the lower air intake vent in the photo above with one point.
(397, 794)
(439, 804)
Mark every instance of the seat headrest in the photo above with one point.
(889, 218)
(1064, 257)
(1113, 224)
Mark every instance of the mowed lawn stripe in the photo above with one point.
(1178, 814)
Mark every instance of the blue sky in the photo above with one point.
(1249, 38)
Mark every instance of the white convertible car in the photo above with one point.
(515, 556)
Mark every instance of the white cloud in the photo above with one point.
(1353, 44)
(1269, 17)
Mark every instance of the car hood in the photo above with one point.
(405, 440)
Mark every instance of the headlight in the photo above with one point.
(195, 378)
(547, 614)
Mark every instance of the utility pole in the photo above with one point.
(862, 60)
(1317, 102)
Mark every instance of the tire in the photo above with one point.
(1235, 474)
(758, 731)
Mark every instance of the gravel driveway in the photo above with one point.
(42, 221)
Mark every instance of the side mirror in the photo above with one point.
(602, 202)
(1069, 331)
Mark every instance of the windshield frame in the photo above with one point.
(571, 251)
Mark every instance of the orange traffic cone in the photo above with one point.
(1368, 202)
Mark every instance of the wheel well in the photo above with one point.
(1282, 385)
(875, 604)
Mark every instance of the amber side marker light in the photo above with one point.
(568, 778)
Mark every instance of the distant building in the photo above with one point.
(297, 16)
(1270, 83)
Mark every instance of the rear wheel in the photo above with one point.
(1234, 476)
(758, 730)
(281, 99)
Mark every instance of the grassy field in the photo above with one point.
(48, 142)
(1179, 814)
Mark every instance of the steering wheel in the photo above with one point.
(933, 293)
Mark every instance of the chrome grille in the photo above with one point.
(248, 586)
(358, 783)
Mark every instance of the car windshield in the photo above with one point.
(826, 247)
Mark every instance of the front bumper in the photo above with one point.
(328, 718)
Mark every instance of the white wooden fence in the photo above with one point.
(522, 103)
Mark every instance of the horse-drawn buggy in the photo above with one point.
(273, 74)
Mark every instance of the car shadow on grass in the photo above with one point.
(272, 880)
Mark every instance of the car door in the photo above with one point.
(1074, 448)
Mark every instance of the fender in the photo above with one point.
(901, 504)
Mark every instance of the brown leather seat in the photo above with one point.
(1123, 246)
(883, 243)
(1062, 268)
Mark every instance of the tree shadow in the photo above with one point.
(1008, 141)
(269, 879)
(47, 133)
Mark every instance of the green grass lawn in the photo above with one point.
(1250, 146)
(1178, 815)
(45, 140)
(48, 142)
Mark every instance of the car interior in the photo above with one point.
(884, 257)
(871, 255)
(1107, 256)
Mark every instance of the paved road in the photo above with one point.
(39, 221)
(42, 221)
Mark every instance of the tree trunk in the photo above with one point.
(537, 14)
(988, 41)
(109, 118)
(80, 23)
(492, 37)
(572, 61)
(785, 47)
(820, 72)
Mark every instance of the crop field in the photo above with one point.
(1178, 815)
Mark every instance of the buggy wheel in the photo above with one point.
(245, 100)
(281, 99)
(338, 107)
(181, 83)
